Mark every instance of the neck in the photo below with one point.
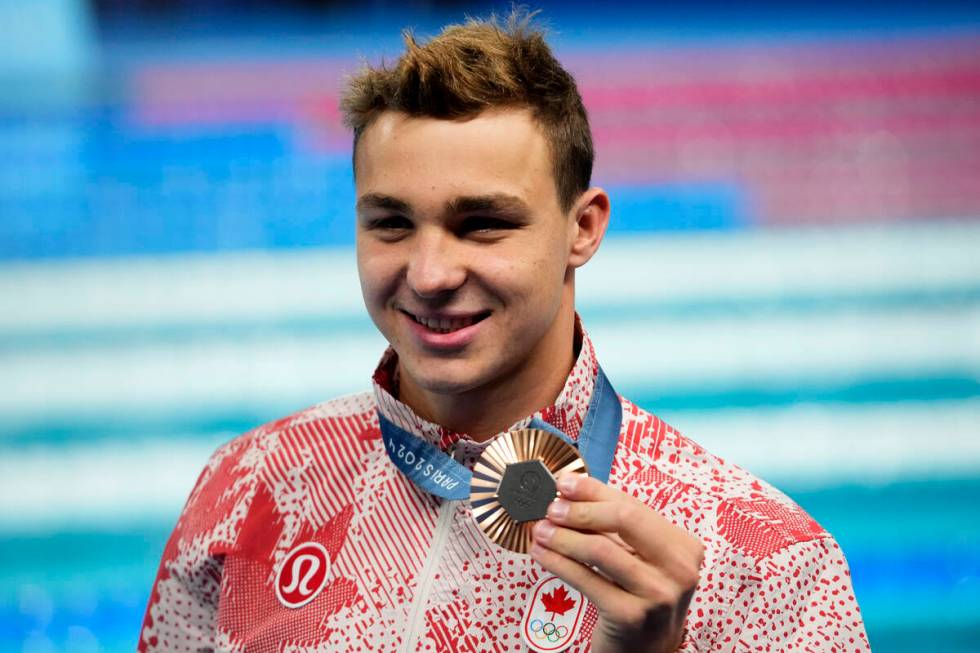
(483, 412)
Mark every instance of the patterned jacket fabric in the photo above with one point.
(408, 571)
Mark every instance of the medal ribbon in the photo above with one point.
(437, 473)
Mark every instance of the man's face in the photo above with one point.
(462, 247)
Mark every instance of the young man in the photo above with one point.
(327, 530)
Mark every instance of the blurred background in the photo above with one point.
(792, 276)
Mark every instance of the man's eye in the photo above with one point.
(484, 224)
(392, 223)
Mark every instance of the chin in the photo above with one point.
(444, 383)
(448, 377)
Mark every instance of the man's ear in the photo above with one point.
(591, 217)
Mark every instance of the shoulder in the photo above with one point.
(331, 432)
(799, 598)
(765, 557)
(250, 475)
(730, 509)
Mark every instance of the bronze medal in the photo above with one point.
(514, 482)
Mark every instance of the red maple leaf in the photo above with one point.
(557, 602)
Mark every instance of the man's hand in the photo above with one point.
(638, 569)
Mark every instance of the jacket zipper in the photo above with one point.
(446, 511)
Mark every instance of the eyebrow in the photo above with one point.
(496, 202)
(380, 201)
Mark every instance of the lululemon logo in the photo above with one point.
(303, 574)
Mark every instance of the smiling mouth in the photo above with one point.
(448, 325)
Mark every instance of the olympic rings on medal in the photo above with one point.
(548, 631)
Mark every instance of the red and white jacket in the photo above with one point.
(302, 536)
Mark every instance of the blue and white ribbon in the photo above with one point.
(437, 473)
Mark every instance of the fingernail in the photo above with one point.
(558, 509)
(567, 482)
(536, 550)
(543, 530)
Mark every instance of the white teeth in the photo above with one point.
(444, 325)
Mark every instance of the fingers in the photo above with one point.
(606, 555)
(590, 505)
(638, 569)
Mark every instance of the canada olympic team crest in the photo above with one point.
(303, 574)
(553, 615)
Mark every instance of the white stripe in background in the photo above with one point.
(781, 350)
(187, 377)
(185, 288)
(776, 263)
(820, 445)
(644, 268)
(102, 486)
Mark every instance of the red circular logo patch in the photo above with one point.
(303, 574)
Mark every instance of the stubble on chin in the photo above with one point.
(438, 377)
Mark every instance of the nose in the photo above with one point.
(436, 266)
